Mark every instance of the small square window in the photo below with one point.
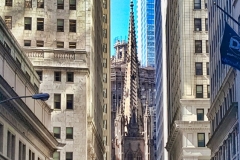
(60, 4)
(40, 44)
(56, 156)
(201, 139)
(69, 133)
(197, 24)
(199, 91)
(40, 24)
(27, 42)
(72, 4)
(72, 25)
(200, 114)
(40, 75)
(60, 44)
(70, 76)
(198, 46)
(28, 3)
(57, 132)
(57, 101)
(27, 23)
(72, 44)
(60, 25)
(69, 101)
(40, 3)
(57, 76)
(198, 68)
(8, 21)
(69, 155)
(8, 2)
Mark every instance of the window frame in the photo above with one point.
(200, 94)
(56, 134)
(199, 141)
(57, 78)
(206, 24)
(200, 116)
(197, 24)
(27, 43)
(60, 5)
(72, 25)
(69, 154)
(208, 91)
(70, 77)
(40, 74)
(60, 25)
(198, 46)
(40, 24)
(69, 101)
(60, 44)
(207, 68)
(197, 5)
(57, 103)
(8, 3)
(198, 71)
(72, 6)
(28, 4)
(69, 136)
(40, 3)
(39, 43)
(72, 45)
(27, 26)
(57, 153)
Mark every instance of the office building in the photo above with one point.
(145, 32)
(24, 122)
(223, 113)
(68, 45)
(188, 87)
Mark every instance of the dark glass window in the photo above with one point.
(201, 139)
(40, 73)
(207, 47)
(198, 68)
(199, 91)
(57, 101)
(70, 76)
(8, 2)
(197, 4)
(72, 4)
(28, 3)
(60, 44)
(69, 133)
(72, 44)
(27, 42)
(57, 132)
(69, 155)
(40, 24)
(197, 24)
(207, 68)
(60, 4)
(72, 25)
(206, 24)
(40, 43)
(27, 23)
(60, 25)
(69, 101)
(200, 114)
(57, 76)
(40, 3)
(208, 91)
(198, 46)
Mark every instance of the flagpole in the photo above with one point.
(226, 13)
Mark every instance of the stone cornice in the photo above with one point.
(172, 137)
(193, 125)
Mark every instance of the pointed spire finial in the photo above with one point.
(131, 5)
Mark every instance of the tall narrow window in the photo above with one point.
(69, 101)
(40, 3)
(31, 155)
(198, 68)
(57, 132)
(57, 76)
(39, 75)
(198, 46)
(10, 145)
(197, 24)
(201, 139)
(60, 4)
(69, 155)
(206, 24)
(1, 137)
(70, 76)
(200, 114)
(28, 3)
(208, 91)
(72, 25)
(57, 101)
(199, 91)
(8, 2)
(207, 68)
(56, 156)
(27, 23)
(40, 24)
(72, 4)
(197, 4)
(8, 21)
(60, 25)
(206, 4)
(207, 47)
(69, 133)
(21, 151)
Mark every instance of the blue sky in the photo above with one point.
(120, 10)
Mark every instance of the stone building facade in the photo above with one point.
(132, 136)
(24, 123)
(188, 86)
(68, 44)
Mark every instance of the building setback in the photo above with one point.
(223, 113)
(187, 80)
(68, 45)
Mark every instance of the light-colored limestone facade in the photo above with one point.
(68, 44)
(187, 80)
(225, 82)
(24, 123)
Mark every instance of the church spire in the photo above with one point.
(131, 99)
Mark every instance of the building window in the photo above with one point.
(105, 108)
(69, 101)
(57, 132)
(69, 133)
(8, 2)
(60, 25)
(200, 114)
(105, 63)
(198, 68)
(72, 25)
(197, 4)
(56, 156)
(207, 49)
(72, 4)
(8, 21)
(105, 33)
(57, 76)
(28, 3)
(39, 75)
(198, 46)
(105, 77)
(69, 155)
(206, 24)
(208, 91)
(70, 76)
(197, 24)
(199, 91)
(27, 23)
(57, 101)
(40, 24)
(10, 145)
(207, 68)
(60, 4)
(104, 93)
(105, 48)
(60, 44)
(72, 44)
(22, 151)
(27, 43)
(201, 139)
(1, 137)
(40, 3)
(105, 18)
(31, 155)
(40, 43)
(206, 4)
(104, 124)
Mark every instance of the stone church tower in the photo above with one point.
(132, 123)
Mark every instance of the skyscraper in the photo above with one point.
(146, 40)
(68, 44)
(188, 79)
